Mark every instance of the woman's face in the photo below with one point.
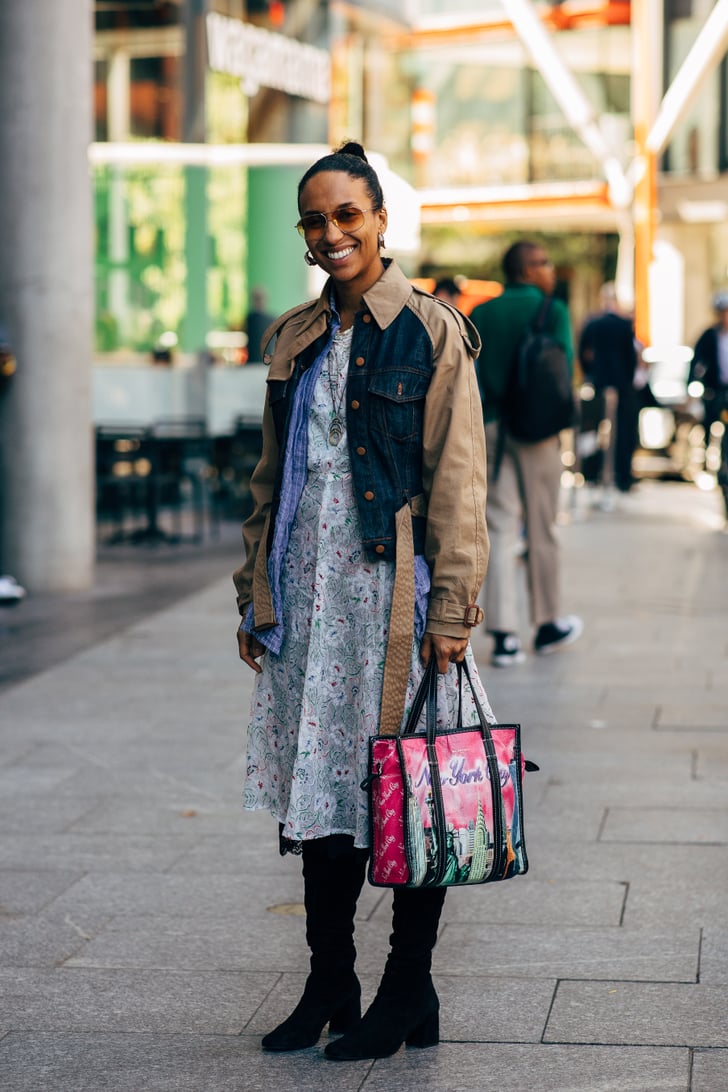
(349, 256)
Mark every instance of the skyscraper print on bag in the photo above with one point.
(446, 806)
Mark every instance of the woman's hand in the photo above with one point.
(447, 650)
(250, 650)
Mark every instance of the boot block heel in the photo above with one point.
(345, 1017)
(427, 1034)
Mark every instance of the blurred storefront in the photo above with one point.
(495, 151)
(206, 115)
(448, 93)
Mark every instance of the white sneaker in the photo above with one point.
(10, 591)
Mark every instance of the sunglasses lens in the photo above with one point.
(314, 223)
(349, 219)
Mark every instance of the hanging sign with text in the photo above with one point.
(262, 59)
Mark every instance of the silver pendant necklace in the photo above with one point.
(336, 428)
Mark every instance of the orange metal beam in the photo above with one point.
(567, 16)
(458, 211)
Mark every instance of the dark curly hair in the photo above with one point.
(349, 158)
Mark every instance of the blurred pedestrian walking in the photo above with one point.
(608, 359)
(447, 289)
(256, 324)
(710, 364)
(523, 478)
(370, 507)
(11, 592)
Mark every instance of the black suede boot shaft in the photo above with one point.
(406, 1008)
(332, 995)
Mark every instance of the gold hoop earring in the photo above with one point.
(309, 258)
(380, 241)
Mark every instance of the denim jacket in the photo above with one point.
(415, 435)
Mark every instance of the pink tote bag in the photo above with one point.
(446, 807)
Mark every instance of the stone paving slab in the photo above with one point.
(685, 793)
(656, 904)
(677, 717)
(217, 944)
(553, 952)
(28, 892)
(506, 1067)
(710, 1071)
(106, 1062)
(600, 765)
(701, 826)
(194, 895)
(48, 940)
(529, 901)
(29, 814)
(714, 952)
(138, 853)
(680, 865)
(711, 766)
(647, 1013)
(161, 942)
(120, 1000)
(186, 895)
(119, 815)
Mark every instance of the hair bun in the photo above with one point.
(351, 147)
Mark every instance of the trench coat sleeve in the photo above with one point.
(454, 478)
(255, 528)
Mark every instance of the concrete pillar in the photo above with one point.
(46, 299)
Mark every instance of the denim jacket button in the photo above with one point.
(379, 549)
(361, 451)
(355, 404)
(368, 495)
(367, 318)
(359, 361)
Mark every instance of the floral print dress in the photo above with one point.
(316, 704)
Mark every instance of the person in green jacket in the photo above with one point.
(525, 490)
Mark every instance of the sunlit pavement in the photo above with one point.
(151, 933)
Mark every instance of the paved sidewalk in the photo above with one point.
(150, 933)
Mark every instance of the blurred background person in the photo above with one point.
(446, 289)
(523, 485)
(258, 321)
(710, 364)
(608, 359)
(11, 591)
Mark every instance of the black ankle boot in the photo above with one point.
(337, 1004)
(333, 880)
(391, 1019)
(406, 1008)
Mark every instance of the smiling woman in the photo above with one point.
(364, 558)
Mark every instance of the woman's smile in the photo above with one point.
(339, 253)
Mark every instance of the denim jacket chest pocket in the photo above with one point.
(397, 399)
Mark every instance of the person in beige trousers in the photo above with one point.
(523, 484)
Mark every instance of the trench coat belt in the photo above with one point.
(398, 658)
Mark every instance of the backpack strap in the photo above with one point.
(542, 315)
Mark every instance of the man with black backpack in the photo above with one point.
(524, 372)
